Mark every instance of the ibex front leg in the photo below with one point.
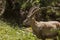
(55, 38)
(43, 39)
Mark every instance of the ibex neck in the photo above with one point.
(33, 25)
(33, 22)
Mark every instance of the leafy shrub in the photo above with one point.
(9, 33)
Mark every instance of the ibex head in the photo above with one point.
(31, 15)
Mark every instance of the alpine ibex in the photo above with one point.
(41, 29)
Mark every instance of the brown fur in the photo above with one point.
(40, 28)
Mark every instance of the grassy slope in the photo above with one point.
(9, 33)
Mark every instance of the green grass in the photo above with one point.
(7, 32)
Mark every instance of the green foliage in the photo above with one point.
(9, 33)
(43, 3)
(29, 3)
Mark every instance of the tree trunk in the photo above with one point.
(12, 11)
(8, 9)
